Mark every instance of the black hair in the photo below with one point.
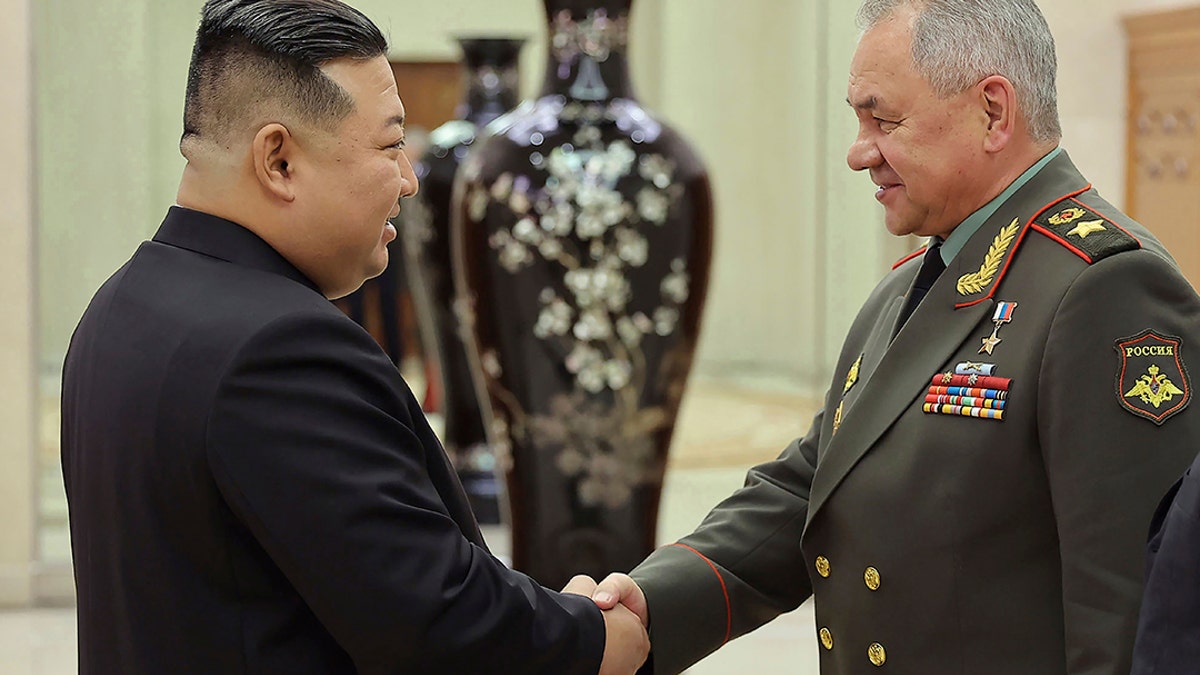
(251, 52)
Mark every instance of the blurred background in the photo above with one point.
(90, 118)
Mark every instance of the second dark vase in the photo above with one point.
(490, 68)
(583, 233)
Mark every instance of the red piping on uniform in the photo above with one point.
(1097, 211)
(910, 256)
(1017, 244)
(724, 591)
(1069, 246)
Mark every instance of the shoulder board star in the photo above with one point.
(1083, 230)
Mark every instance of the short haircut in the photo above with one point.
(957, 43)
(256, 58)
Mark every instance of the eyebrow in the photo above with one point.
(394, 121)
(869, 104)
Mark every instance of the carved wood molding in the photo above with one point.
(1163, 130)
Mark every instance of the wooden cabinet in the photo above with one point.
(1163, 150)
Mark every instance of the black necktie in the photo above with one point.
(931, 267)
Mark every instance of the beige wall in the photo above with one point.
(17, 383)
(1092, 83)
(760, 91)
(1091, 88)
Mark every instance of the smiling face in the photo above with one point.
(926, 154)
(357, 176)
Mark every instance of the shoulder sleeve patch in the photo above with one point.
(1085, 232)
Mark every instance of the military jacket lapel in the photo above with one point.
(901, 377)
(894, 377)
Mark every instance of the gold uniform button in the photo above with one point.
(826, 638)
(871, 576)
(877, 654)
(823, 566)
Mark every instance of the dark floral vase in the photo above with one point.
(490, 69)
(583, 234)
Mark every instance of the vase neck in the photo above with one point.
(587, 51)
(492, 78)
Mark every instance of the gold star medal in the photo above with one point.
(1004, 312)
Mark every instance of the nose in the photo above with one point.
(863, 153)
(408, 177)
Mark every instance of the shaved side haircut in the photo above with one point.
(259, 61)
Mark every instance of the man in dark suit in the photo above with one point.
(1168, 638)
(1007, 407)
(252, 487)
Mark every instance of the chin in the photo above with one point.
(899, 228)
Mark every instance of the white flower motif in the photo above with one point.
(554, 320)
(519, 203)
(675, 287)
(477, 203)
(560, 221)
(590, 196)
(590, 225)
(502, 188)
(587, 135)
(653, 205)
(618, 374)
(593, 324)
(657, 169)
(630, 334)
(619, 294)
(570, 461)
(527, 232)
(582, 357)
(592, 380)
(513, 254)
(550, 248)
(564, 164)
(665, 320)
(579, 282)
(632, 247)
(620, 160)
(591, 492)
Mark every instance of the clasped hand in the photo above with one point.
(626, 620)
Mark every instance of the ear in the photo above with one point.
(999, 100)
(273, 154)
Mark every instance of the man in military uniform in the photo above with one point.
(1007, 409)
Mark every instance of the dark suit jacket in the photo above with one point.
(253, 488)
(941, 544)
(1168, 640)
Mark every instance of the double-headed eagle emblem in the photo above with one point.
(1154, 388)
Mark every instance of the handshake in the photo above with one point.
(626, 620)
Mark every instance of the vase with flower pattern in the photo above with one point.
(583, 235)
(490, 70)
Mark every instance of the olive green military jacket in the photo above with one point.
(980, 525)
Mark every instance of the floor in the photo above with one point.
(725, 426)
